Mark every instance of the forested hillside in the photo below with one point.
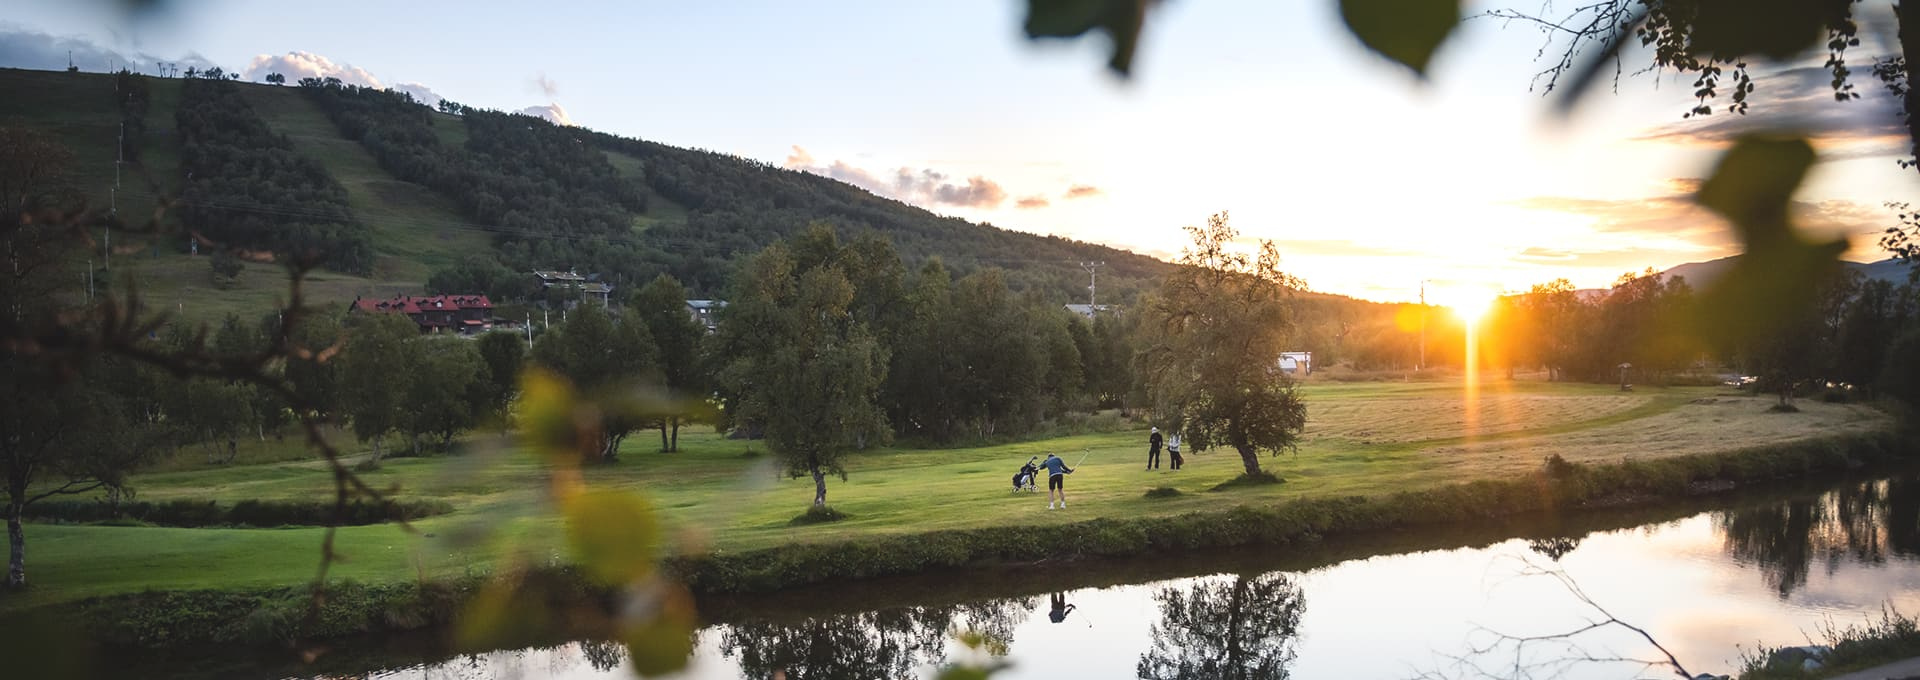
(234, 159)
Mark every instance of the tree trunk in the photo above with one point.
(819, 487)
(1250, 458)
(610, 448)
(16, 534)
(1908, 12)
(664, 447)
(675, 446)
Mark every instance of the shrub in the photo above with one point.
(1560, 468)
(817, 514)
(1244, 480)
(250, 513)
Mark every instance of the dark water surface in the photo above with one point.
(1705, 577)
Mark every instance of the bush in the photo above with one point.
(817, 514)
(1244, 480)
(1162, 492)
(248, 513)
(1560, 468)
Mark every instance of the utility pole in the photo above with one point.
(1093, 284)
(1423, 327)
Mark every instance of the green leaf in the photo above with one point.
(1730, 29)
(662, 643)
(613, 535)
(1120, 19)
(1406, 31)
(1754, 183)
(1775, 280)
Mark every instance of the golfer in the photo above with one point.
(1153, 449)
(1057, 472)
(1173, 451)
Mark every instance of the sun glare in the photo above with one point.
(1469, 305)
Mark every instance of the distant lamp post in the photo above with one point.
(1624, 385)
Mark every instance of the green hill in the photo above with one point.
(429, 191)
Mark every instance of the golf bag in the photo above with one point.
(1024, 479)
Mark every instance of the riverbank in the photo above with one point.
(1364, 467)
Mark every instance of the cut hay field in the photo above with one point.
(727, 495)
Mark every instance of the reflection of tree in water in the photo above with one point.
(1243, 629)
(1865, 522)
(883, 644)
(1554, 548)
(603, 655)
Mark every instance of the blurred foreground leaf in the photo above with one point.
(1731, 29)
(1406, 31)
(1120, 19)
(613, 535)
(661, 639)
(1778, 274)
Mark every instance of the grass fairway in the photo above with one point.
(717, 494)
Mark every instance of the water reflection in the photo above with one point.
(873, 645)
(1865, 522)
(1554, 548)
(1243, 628)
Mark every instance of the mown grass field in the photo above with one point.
(728, 495)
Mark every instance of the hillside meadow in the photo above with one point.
(724, 495)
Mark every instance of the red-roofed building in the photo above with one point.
(434, 313)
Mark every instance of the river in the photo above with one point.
(1706, 578)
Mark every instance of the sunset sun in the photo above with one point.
(1470, 305)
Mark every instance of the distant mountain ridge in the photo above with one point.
(1701, 275)
(1704, 274)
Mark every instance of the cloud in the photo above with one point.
(1031, 202)
(1673, 221)
(29, 49)
(419, 93)
(1083, 191)
(924, 187)
(297, 64)
(1801, 99)
(1335, 247)
(551, 112)
(546, 85)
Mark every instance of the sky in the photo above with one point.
(1371, 181)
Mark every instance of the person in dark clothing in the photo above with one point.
(1173, 451)
(1153, 449)
(1060, 608)
(1057, 472)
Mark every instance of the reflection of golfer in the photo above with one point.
(1057, 472)
(1060, 608)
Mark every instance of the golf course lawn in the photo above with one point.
(726, 495)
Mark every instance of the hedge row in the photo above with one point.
(248, 513)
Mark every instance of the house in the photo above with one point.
(1089, 310)
(705, 312)
(1296, 363)
(434, 313)
(589, 285)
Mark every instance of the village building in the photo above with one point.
(1089, 311)
(706, 312)
(588, 286)
(461, 314)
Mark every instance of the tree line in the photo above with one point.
(245, 188)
